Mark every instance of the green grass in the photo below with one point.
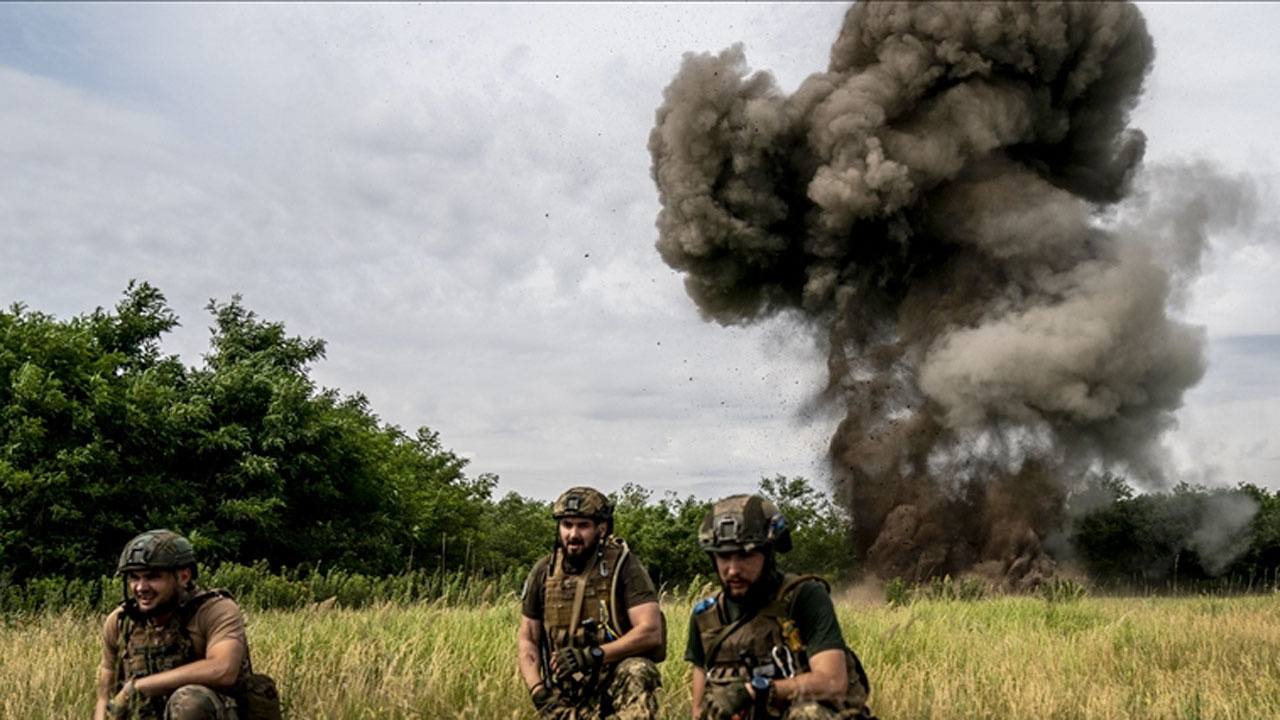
(1003, 657)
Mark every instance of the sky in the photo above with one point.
(457, 199)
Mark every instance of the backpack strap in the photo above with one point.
(780, 610)
(188, 609)
(615, 617)
(122, 642)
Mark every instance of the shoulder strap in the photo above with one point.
(580, 593)
(725, 632)
(555, 564)
(780, 605)
(189, 608)
(780, 609)
(122, 642)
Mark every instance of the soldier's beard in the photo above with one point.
(762, 588)
(576, 556)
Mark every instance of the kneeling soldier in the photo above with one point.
(768, 644)
(590, 630)
(173, 651)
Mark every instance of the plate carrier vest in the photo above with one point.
(768, 635)
(589, 597)
(146, 649)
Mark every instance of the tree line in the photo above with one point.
(103, 435)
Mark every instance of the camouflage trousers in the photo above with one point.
(819, 711)
(811, 710)
(189, 702)
(629, 693)
(197, 702)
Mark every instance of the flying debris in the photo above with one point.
(931, 205)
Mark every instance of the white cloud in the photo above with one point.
(457, 198)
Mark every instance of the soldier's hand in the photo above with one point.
(544, 699)
(725, 701)
(569, 660)
(118, 706)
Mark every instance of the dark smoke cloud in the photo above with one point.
(939, 207)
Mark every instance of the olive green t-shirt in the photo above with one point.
(811, 609)
(635, 587)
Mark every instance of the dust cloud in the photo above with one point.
(939, 207)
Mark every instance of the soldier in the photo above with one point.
(591, 631)
(768, 644)
(173, 651)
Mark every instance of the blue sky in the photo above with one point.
(457, 198)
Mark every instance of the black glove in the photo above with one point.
(569, 660)
(724, 701)
(544, 699)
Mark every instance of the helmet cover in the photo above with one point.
(583, 502)
(156, 550)
(746, 523)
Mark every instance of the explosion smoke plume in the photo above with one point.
(930, 205)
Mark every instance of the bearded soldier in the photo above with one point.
(590, 630)
(173, 651)
(767, 645)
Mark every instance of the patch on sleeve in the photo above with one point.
(704, 605)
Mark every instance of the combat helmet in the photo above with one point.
(584, 502)
(157, 550)
(746, 523)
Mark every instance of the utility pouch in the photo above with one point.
(261, 701)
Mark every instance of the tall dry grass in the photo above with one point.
(994, 658)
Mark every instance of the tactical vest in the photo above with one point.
(767, 642)
(581, 609)
(147, 649)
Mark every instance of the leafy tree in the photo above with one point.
(1189, 533)
(1263, 554)
(664, 534)
(82, 404)
(821, 531)
(517, 530)
(101, 436)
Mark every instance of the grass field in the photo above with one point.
(1010, 657)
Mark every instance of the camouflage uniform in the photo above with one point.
(771, 633)
(197, 702)
(584, 609)
(631, 694)
(765, 639)
(144, 648)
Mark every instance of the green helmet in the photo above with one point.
(157, 550)
(583, 502)
(746, 523)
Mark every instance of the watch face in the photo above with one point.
(597, 653)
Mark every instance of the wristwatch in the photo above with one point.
(597, 654)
